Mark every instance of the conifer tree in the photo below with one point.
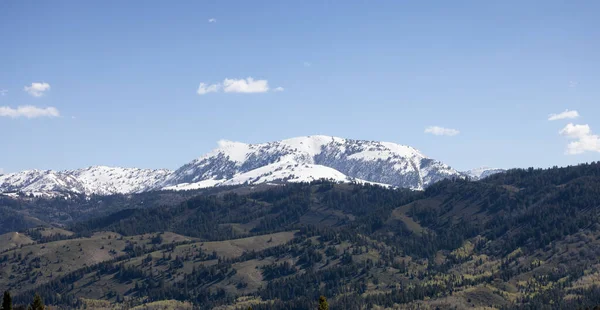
(7, 301)
(323, 305)
(37, 304)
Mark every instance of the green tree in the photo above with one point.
(323, 305)
(38, 303)
(7, 301)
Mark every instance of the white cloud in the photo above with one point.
(576, 131)
(3, 92)
(248, 85)
(564, 115)
(585, 140)
(441, 131)
(29, 112)
(204, 88)
(278, 89)
(37, 89)
(212, 20)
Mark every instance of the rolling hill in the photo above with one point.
(523, 239)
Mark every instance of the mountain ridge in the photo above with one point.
(94, 180)
(300, 159)
(482, 172)
(360, 160)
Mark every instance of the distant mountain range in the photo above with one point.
(482, 172)
(301, 159)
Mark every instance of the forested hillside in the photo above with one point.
(524, 239)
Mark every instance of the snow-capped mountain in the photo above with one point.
(301, 159)
(99, 180)
(309, 158)
(103, 180)
(482, 172)
(38, 182)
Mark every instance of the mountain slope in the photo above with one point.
(308, 158)
(524, 239)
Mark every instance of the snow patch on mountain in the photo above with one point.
(284, 171)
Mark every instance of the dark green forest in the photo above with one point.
(524, 239)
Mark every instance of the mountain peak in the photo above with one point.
(302, 158)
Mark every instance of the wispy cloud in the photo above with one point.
(584, 139)
(247, 85)
(441, 131)
(29, 112)
(204, 88)
(212, 20)
(3, 92)
(307, 64)
(37, 89)
(564, 115)
(573, 84)
(278, 89)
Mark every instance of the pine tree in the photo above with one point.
(7, 301)
(323, 305)
(37, 304)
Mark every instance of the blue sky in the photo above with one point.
(116, 82)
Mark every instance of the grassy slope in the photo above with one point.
(35, 264)
(93, 287)
(13, 240)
